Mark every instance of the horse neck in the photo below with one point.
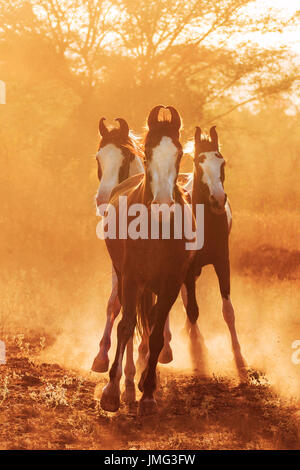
(197, 195)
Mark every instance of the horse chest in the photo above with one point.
(215, 240)
(152, 261)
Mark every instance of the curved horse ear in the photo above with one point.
(153, 115)
(102, 128)
(197, 134)
(124, 128)
(214, 137)
(175, 117)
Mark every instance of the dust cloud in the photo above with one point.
(55, 279)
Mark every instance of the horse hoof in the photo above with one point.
(147, 406)
(201, 373)
(166, 355)
(242, 369)
(100, 364)
(243, 375)
(200, 368)
(128, 396)
(109, 401)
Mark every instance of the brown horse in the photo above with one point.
(207, 187)
(146, 265)
(120, 156)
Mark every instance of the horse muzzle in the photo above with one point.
(216, 206)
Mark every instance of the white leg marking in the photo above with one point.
(129, 367)
(113, 309)
(229, 317)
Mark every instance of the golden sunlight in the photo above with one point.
(98, 99)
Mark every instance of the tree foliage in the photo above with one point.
(126, 55)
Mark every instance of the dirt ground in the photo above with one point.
(47, 390)
(46, 406)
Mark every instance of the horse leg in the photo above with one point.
(143, 352)
(197, 346)
(101, 361)
(146, 305)
(166, 354)
(129, 370)
(110, 400)
(222, 269)
(147, 382)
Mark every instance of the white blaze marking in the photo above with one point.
(163, 170)
(212, 175)
(110, 158)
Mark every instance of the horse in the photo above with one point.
(206, 186)
(158, 266)
(119, 157)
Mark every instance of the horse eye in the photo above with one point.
(201, 158)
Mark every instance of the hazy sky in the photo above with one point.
(287, 9)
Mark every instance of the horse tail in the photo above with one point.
(144, 308)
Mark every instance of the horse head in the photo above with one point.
(209, 170)
(115, 158)
(163, 152)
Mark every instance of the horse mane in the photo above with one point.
(135, 145)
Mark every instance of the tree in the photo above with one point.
(201, 56)
(198, 54)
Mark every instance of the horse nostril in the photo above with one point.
(225, 199)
